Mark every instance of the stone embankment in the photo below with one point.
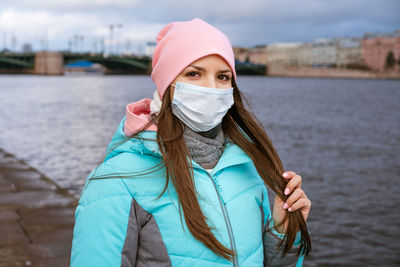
(36, 217)
(279, 71)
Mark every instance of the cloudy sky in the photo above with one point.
(53, 24)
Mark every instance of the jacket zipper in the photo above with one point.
(227, 221)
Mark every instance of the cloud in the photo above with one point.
(71, 4)
(244, 22)
(30, 21)
(60, 28)
(32, 26)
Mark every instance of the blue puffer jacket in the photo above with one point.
(121, 222)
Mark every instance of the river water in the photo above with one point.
(341, 135)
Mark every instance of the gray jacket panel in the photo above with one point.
(272, 254)
(143, 243)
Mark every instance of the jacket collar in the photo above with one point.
(120, 143)
(232, 154)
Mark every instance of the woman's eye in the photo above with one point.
(224, 77)
(192, 73)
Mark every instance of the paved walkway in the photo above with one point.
(36, 217)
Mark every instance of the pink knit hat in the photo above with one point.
(180, 43)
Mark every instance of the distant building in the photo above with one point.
(323, 53)
(372, 52)
(349, 53)
(242, 54)
(282, 54)
(258, 55)
(150, 46)
(303, 55)
(377, 47)
(27, 48)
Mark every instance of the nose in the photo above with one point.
(210, 81)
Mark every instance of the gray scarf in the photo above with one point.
(205, 147)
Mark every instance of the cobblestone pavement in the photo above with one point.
(36, 217)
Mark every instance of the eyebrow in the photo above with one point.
(203, 69)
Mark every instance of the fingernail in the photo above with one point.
(286, 191)
(285, 206)
(290, 209)
(285, 174)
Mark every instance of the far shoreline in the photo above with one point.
(272, 71)
(309, 72)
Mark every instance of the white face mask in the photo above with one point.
(201, 108)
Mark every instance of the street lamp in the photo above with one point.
(112, 26)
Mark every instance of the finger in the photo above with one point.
(297, 193)
(294, 183)
(288, 174)
(302, 203)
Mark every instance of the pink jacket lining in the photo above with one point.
(137, 115)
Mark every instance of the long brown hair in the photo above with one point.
(255, 143)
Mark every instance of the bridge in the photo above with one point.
(52, 63)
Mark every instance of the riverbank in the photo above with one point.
(256, 70)
(36, 217)
(308, 72)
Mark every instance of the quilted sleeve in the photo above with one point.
(99, 232)
(101, 222)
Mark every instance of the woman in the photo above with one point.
(183, 182)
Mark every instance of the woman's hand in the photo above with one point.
(297, 200)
